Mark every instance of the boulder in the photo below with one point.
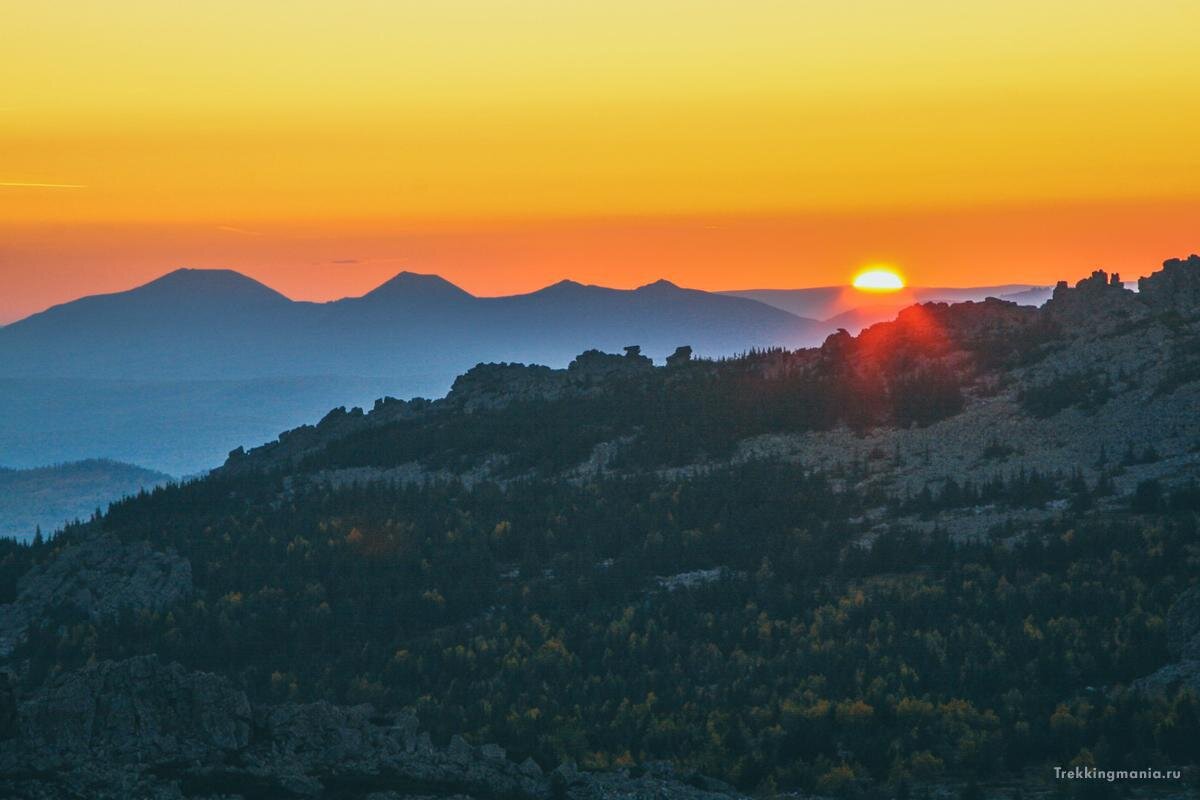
(681, 356)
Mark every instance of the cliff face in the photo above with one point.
(141, 728)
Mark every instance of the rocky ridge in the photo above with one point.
(1110, 352)
(1136, 351)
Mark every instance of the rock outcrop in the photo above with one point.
(97, 578)
(681, 356)
(1183, 642)
(489, 386)
(147, 729)
(1176, 287)
(131, 711)
(1096, 304)
(594, 365)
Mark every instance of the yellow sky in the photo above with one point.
(448, 112)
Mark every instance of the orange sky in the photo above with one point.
(322, 147)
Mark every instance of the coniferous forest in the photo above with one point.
(730, 621)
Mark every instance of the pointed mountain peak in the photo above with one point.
(418, 286)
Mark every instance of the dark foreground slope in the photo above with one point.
(956, 550)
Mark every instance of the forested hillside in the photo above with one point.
(920, 560)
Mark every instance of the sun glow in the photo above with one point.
(878, 279)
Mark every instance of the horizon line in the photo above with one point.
(1017, 287)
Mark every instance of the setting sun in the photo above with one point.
(878, 279)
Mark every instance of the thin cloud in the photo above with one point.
(243, 231)
(23, 185)
(344, 261)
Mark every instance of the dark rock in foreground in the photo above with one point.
(140, 728)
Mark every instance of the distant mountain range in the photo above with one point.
(219, 324)
(204, 324)
(173, 373)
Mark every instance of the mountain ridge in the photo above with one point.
(193, 279)
(219, 324)
(1097, 307)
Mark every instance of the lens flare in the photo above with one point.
(878, 279)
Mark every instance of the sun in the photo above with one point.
(879, 278)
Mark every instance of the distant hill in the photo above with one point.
(50, 497)
(177, 427)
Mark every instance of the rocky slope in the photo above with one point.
(95, 579)
(141, 728)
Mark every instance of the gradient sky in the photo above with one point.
(322, 147)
